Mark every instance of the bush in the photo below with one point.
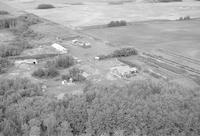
(4, 65)
(45, 6)
(63, 61)
(46, 73)
(75, 74)
(77, 3)
(184, 18)
(21, 44)
(117, 23)
(116, 2)
(9, 22)
(124, 52)
(2, 12)
(23, 86)
(170, 0)
(14, 48)
(6, 51)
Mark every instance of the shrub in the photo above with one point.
(2, 12)
(4, 65)
(23, 86)
(8, 22)
(46, 73)
(170, 0)
(21, 43)
(63, 61)
(184, 18)
(116, 2)
(14, 48)
(6, 51)
(102, 57)
(75, 74)
(45, 6)
(124, 52)
(117, 23)
(77, 3)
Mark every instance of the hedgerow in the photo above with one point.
(62, 61)
(45, 6)
(46, 72)
(124, 52)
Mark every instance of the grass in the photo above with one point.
(130, 64)
(45, 6)
(46, 73)
(62, 61)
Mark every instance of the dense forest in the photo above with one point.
(141, 108)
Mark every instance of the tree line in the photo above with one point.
(141, 108)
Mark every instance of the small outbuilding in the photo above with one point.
(59, 48)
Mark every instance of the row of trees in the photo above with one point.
(22, 33)
(141, 108)
(123, 52)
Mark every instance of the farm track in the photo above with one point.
(175, 64)
(194, 61)
(160, 64)
(161, 70)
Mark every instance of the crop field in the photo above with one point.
(179, 36)
(77, 14)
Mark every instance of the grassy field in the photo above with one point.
(75, 14)
(179, 36)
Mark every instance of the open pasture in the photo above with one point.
(179, 36)
(77, 14)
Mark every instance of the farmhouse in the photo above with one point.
(123, 71)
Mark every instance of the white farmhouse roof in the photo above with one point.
(59, 48)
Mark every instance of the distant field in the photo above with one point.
(179, 36)
(79, 13)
